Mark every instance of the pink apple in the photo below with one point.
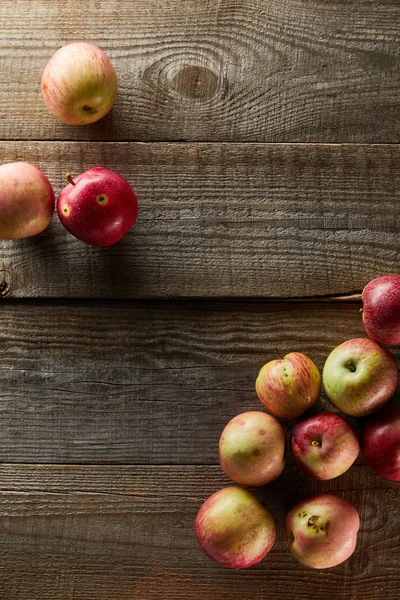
(99, 207)
(381, 309)
(26, 201)
(251, 448)
(381, 443)
(324, 446)
(322, 531)
(79, 84)
(234, 529)
(289, 386)
(359, 377)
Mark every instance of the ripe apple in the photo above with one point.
(381, 443)
(381, 309)
(322, 531)
(324, 446)
(26, 201)
(234, 529)
(251, 448)
(359, 377)
(289, 386)
(79, 84)
(99, 207)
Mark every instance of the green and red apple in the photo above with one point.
(289, 386)
(233, 528)
(26, 201)
(322, 531)
(359, 377)
(79, 84)
(252, 448)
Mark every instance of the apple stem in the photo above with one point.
(316, 443)
(351, 366)
(68, 177)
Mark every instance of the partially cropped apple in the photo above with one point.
(79, 84)
(289, 386)
(322, 531)
(98, 207)
(26, 201)
(251, 448)
(359, 377)
(234, 529)
(381, 309)
(324, 446)
(381, 443)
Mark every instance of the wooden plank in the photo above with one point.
(101, 533)
(145, 382)
(221, 220)
(247, 70)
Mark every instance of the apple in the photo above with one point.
(251, 448)
(322, 531)
(324, 446)
(99, 207)
(381, 309)
(79, 84)
(381, 443)
(234, 529)
(359, 377)
(26, 201)
(289, 386)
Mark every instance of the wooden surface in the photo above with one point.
(261, 138)
(221, 220)
(225, 70)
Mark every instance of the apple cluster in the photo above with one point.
(360, 377)
(79, 86)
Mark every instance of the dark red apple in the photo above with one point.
(381, 443)
(234, 529)
(381, 309)
(324, 446)
(98, 207)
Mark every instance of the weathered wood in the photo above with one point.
(229, 220)
(248, 70)
(99, 533)
(144, 382)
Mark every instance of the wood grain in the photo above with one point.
(99, 533)
(145, 383)
(220, 220)
(239, 70)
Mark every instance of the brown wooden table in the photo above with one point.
(261, 138)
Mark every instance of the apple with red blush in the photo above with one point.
(79, 84)
(98, 207)
(324, 446)
(381, 443)
(233, 528)
(322, 531)
(26, 201)
(360, 377)
(252, 448)
(381, 309)
(289, 386)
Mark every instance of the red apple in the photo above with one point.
(26, 201)
(289, 386)
(99, 207)
(234, 529)
(324, 446)
(79, 84)
(381, 443)
(322, 531)
(359, 377)
(251, 449)
(381, 309)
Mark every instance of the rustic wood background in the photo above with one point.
(262, 140)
